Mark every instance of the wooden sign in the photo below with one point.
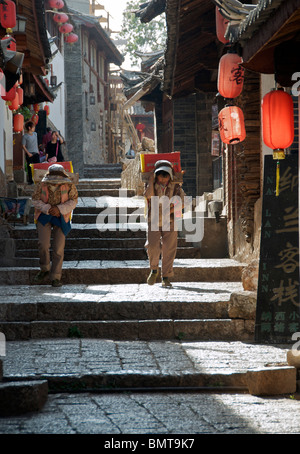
(278, 304)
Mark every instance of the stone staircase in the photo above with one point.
(104, 274)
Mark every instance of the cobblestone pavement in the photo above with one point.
(159, 413)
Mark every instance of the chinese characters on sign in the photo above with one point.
(278, 306)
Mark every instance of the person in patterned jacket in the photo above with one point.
(54, 199)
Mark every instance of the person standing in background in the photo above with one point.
(30, 147)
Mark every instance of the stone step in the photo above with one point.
(195, 311)
(201, 300)
(129, 271)
(88, 230)
(188, 330)
(105, 253)
(96, 192)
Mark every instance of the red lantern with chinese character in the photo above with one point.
(18, 122)
(221, 26)
(71, 38)
(278, 122)
(8, 16)
(21, 95)
(56, 4)
(60, 18)
(35, 119)
(14, 104)
(66, 28)
(231, 125)
(36, 108)
(230, 75)
(47, 109)
(10, 95)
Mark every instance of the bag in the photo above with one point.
(54, 158)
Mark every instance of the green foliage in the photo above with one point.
(150, 37)
(25, 112)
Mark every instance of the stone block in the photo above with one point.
(271, 381)
(242, 305)
(250, 276)
(22, 397)
(293, 358)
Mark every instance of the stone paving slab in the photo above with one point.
(148, 419)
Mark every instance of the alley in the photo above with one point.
(120, 357)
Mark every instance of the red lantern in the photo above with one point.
(35, 119)
(13, 44)
(221, 26)
(21, 95)
(36, 108)
(66, 28)
(47, 109)
(140, 127)
(71, 38)
(230, 76)
(56, 4)
(10, 95)
(60, 18)
(8, 16)
(18, 122)
(231, 125)
(278, 121)
(14, 104)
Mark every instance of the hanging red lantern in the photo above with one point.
(230, 75)
(13, 45)
(231, 125)
(18, 122)
(60, 18)
(66, 28)
(56, 4)
(8, 15)
(278, 122)
(14, 104)
(36, 108)
(140, 127)
(47, 109)
(35, 119)
(221, 26)
(71, 38)
(10, 95)
(21, 95)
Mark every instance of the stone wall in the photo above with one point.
(185, 141)
(74, 105)
(192, 137)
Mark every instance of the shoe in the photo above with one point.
(152, 277)
(166, 282)
(41, 276)
(56, 283)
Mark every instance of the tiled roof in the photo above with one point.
(255, 19)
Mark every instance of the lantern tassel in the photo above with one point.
(277, 178)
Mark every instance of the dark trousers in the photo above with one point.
(35, 158)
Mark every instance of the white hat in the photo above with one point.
(164, 166)
(56, 174)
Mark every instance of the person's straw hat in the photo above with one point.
(56, 174)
